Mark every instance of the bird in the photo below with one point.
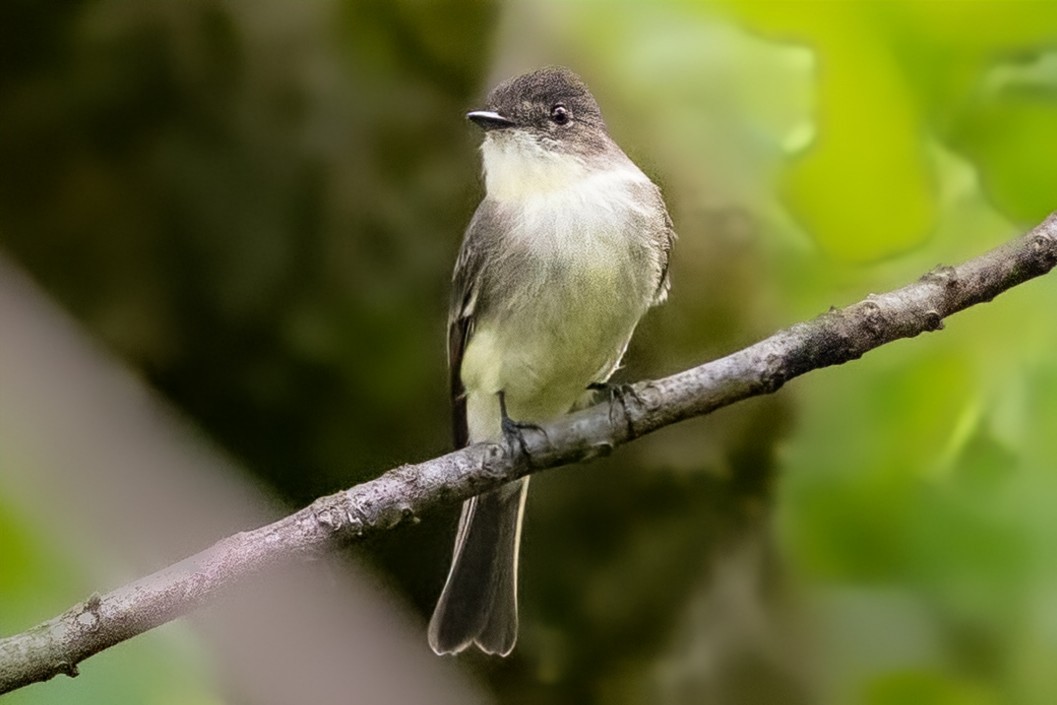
(564, 254)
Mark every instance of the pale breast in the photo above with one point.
(567, 290)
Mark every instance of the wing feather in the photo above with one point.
(662, 234)
(467, 303)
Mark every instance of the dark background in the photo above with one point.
(256, 207)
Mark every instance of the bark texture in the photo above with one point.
(58, 645)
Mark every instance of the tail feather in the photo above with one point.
(479, 601)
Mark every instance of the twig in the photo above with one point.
(60, 644)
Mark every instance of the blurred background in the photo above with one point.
(226, 236)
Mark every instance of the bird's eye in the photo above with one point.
(559, 115)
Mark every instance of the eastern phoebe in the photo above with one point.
(565, 253)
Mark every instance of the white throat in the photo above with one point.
(516, 167)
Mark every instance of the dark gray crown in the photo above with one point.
(529, 99)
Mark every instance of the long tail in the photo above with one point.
(479, 601)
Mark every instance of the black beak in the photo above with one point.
(488, 120)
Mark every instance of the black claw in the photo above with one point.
(514, 431)
(621, 393)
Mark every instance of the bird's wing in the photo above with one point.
(467, 303)
(662, 233)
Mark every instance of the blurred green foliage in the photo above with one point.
(258, 206)
(39, 574)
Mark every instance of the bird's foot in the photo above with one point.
(619, 393)
(514, 431)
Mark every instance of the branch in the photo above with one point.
(400, 495)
